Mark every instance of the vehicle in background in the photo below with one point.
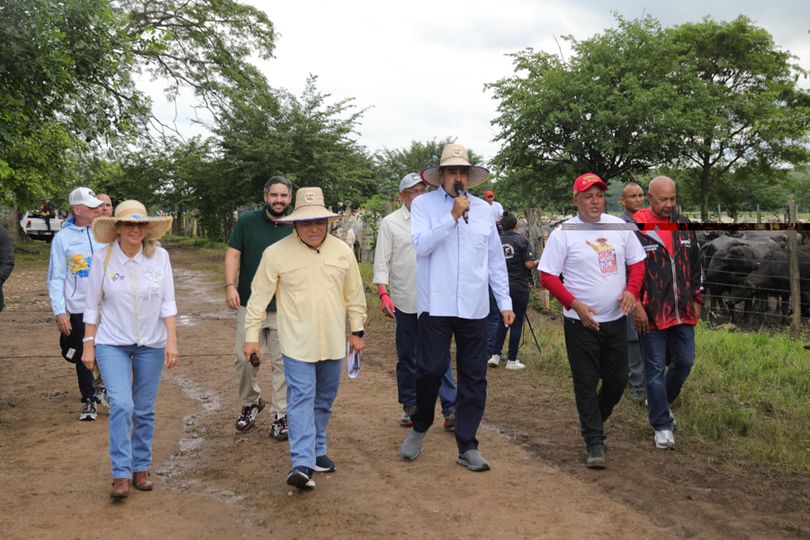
(35, 226)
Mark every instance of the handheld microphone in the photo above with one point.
(459, 187)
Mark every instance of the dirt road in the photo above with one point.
(212, 482)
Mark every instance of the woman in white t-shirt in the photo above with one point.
(602, 264)
(130, 327)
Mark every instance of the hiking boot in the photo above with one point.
(141, 481)
(450, 421)
(412, 445)
(664, 439)
(494, 360)
(101, 397)
(120, 488)
(324, 464)
(473, 460)
(279, 430)
(596, 458)
(515, 364)
(89, 412)
(301, 477)
(247, 418)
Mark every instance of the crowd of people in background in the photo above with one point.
(448, 266)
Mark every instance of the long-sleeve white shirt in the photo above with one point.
(138, 295)
(395, 259)
(456, 261)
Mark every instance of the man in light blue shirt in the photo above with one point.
(458, 255)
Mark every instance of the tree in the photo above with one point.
(742, 111)
(66, 75)
(607, 110)
(391, 165)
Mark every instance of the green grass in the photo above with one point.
(748, 392)
(31, 253)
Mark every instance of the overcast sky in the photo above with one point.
(420, 66)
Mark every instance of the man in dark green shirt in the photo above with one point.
(250, 237)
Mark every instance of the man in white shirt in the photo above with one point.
(395, 277)
(458, 253)
(495, 206)
(602, 262)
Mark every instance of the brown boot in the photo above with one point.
(141, 481)
(120, 488)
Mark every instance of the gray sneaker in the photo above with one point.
(412, 445)
(596, 458)
(473, 460)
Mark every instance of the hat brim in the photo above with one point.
(104, 227)
(432, 174)
(309, 213)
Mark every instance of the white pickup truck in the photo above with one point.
(36, 227)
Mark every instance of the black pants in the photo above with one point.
(72, 348)
(593, 356)
(434, 335)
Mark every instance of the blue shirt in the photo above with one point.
(456, 261)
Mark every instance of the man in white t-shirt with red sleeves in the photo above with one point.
(602, 263)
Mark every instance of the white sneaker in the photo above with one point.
(494, 360)
(664, 439)
(515, 364)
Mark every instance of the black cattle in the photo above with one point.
(772, 278)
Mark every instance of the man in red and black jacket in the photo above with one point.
(670, 305)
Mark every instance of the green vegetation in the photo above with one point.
(714, 104)
(748, 393)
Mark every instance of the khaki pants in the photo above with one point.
(246, 374)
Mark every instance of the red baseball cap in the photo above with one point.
(488, 193)
(587, 181)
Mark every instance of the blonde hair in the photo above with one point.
(149, 244)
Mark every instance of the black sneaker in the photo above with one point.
(247, 418)
(279, 429)
(88, 410)
(301, 477)
(324, 464)
(596, 458)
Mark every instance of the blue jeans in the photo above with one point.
(406, 366)
(132, 375)
(664, 383)
(311, 390)
(520, 302)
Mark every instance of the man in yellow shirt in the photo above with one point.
(316, 281)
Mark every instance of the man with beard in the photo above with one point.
(253, 233)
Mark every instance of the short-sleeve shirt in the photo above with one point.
(593, 263)
(517, 250)
(253, 233)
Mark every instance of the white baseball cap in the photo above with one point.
(409, 180)
(85, 196)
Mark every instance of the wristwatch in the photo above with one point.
(359, 333)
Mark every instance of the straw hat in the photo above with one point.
(131, 212)
(454, 155)
(309, 206)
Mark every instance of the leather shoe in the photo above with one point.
(141, 481)
(120, 488)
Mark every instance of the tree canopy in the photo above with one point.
(713, 100)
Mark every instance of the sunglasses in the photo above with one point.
(134, 224)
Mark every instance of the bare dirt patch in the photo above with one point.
(213, 482)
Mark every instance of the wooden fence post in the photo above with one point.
(793, 264)
(538, 242)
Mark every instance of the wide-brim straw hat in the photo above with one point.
(132, 212)
(454, 155)
(309, 206)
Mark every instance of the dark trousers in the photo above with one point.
(434, 335)
(520, 302)
(493, 321)
(406, 336)
(593, 356)
(72, 348)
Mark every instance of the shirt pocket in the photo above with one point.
(335, 269)
(478, 235)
